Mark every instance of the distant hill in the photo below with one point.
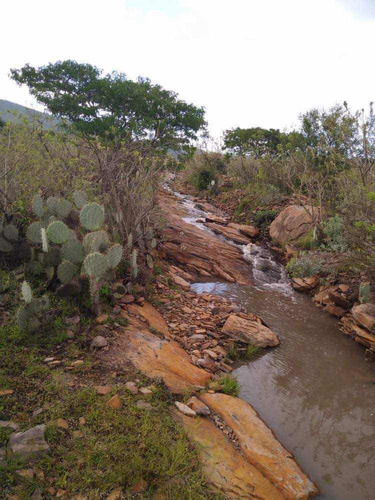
(11, 112)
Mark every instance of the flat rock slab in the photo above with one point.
(151, 315)
(364, 314)
(260, 447)
(229, 232)
(199, 251)
(155, 358)
(249, 332)
(225, 470)
(30, 444)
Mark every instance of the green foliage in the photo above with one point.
(333, 230)
(33, 313)
(263, 218)
(121, 109)
(92, 216)
(305, 266)
(229, 385)
(364, 293)
(9, 235)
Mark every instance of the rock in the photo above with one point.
(29, 444)
(99, 342)
(247, 230)
(260, 447)
(156, 358)
(249, 332)
(37, 412)
(115, 402)
(180, 281)
(199, 251)
(145, 391)
(226, 471)
(77, 434)
(292, 223)
(127, 299)
(334, 310)
(26, 473)
(6, 392)
(78, 362)
(63, 424)
(102, 319)
(82, 421)
(103, 389)
(115, 495)
(197, 338)
(198, 406)
(9, 424)
(131, 386)
(338, 299)
(305, 284)
(138, 487)
(185, 409)
(344, 288)
(229, 232)
(154, 319)
(364, 314)
(143, 405)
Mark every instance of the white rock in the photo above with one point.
(185, 409)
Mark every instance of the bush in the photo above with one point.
(203, 169)
(263, 218)
(333, 230)
(305, 266)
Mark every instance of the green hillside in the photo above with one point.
(13, 112)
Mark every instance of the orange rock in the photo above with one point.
(63, 424)
(225, 470)
(151, 315)
(115, 402)
(260, 447)
(249, 331)
(103, 389)
(156, 358)
(102, 318)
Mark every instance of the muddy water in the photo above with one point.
(315, 390)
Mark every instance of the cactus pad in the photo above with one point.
(66, 271)
(10, 232)
(53, 257)
(63, 208)
(92, 216)
(114, 256)
(35, 267)
(101, 241)
(38, 206)
(95, 265)
(5, 246)
(79, 199)
(73, 251)
(58, 232)
(34, 234)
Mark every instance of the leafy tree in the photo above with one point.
(2, 123)
(111, 107)
(255, 142)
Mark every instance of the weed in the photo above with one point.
(229, 385)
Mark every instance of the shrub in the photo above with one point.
(263, 218)
(229, 385)
(305, 266)
(202, 170)
(333, 230)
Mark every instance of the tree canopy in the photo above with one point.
(255, 142)
(111, 106)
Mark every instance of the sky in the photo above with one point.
(248, 62)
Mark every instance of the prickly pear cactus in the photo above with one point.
(8, 236)
(92, 216)
(32, 314)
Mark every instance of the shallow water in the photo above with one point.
(315, 390)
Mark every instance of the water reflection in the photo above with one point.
(315, 390)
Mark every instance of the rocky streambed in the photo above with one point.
(315, 390)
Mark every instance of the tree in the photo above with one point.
(111, 107)
(255, 142)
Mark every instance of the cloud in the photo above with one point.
(249, 62)
(361, 8)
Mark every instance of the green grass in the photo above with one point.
(229, 385)
(237, 354)
(119, 448)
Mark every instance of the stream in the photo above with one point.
(315, 390)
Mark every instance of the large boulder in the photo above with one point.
(249, 331)
(292, 223)
(28, 445)
(364, 314)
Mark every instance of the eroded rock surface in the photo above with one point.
(292, 223)
(225, 469)
(364, 314)
(260, 447)
(199, 251)
(156, 358)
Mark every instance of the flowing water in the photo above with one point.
(315, 390)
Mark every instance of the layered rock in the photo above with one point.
(226, 471)
(229, 232)
(364, 314)
(243, 329)
(260, 447)
(199, 251)
(292, 223)
(305, 284)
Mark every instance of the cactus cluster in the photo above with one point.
(32, 314)
(8, 236)
(67, 253)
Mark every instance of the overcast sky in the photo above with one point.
(248, 62)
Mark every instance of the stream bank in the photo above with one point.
(315, 390)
